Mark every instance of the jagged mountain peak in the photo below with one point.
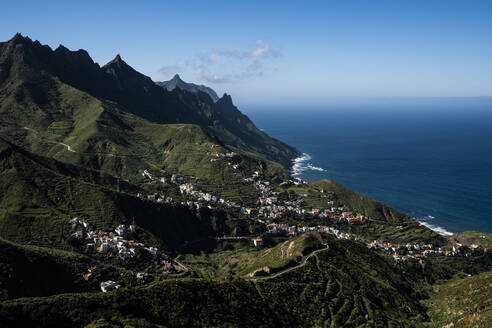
(118, 61)
(62, 48)
(126, 89)
(226, 99)
(177, 82)
(18, 37)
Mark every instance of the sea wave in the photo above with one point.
(440, 230)
(301, 164)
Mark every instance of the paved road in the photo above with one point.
(302, 263)
(274, 275)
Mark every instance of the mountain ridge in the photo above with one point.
(177, 82)
(28, 61)
(99, 163)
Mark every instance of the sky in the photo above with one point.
(279, 52)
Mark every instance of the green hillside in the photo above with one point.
(283, 255)
(40, 271)
(346, 285)
(229, 259)
(385, 222)
(37, 200)
(105, 175)
(64, 96)
(469, 238)
(462, 302)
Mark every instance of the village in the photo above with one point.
(271, 208)
(114, 244)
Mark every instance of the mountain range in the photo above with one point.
(171, 197)
(177, 82)
(36, 81)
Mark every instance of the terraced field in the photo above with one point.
(462, 303)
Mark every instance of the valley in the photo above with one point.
(125, 202)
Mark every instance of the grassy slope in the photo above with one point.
(56, 271)
(469, 238)
(345, 285)
(234, 259)
(283, 255)
(36, 201)
(121, 144)
(385, 222)
(462, 302)
(103, 136)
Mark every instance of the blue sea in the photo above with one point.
(430, 158)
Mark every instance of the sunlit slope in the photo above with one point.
(39, 195)
(462, 303)
(346, 285)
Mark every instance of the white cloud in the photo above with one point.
(206, 75)
(226, 66)
(263, 50)
(230, 65)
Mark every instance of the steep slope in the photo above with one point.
(56, 271)
(387, 223)
(462, 302)
(38, 196)
(74, 140)
(75, 127)
(36, 83)
(177, 82)
(283, 255)
(346, 285)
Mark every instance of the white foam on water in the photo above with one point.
(301, 164)
(315, 168)
(440, 230)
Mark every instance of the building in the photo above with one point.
(120, 230)
(346, 215)
(104, 248)
(152, 251)
(258, 242)
(74, 222)
(109, 285)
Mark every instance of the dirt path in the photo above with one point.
(302, 263)
(70, 149)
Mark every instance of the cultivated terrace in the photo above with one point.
(130, 203)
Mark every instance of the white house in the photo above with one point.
(120, 230)
(109, 285)
(257, 242)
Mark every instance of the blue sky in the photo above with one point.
(280, 52)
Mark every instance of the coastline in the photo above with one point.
(302, 164)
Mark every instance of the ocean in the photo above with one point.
(431, 159)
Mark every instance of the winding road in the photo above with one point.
(276, 274)
(271, 276)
